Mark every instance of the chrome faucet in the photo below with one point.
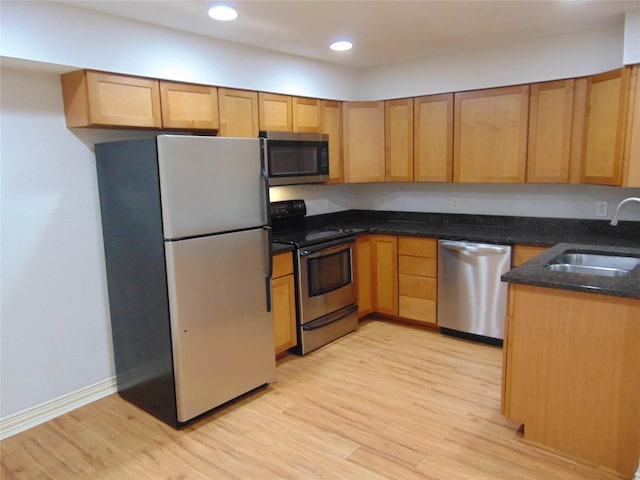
(614, 220)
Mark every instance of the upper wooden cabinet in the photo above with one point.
(490, 135)
(398, 126)
(363, 142)
(275, 112)
(307, 114)
(605, 127)
(331, 124)
(433, 138)
(98, 99)
(238, 113)
(189, 106)
(550, 121)
(631, 160)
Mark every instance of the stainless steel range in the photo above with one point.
(323, 257)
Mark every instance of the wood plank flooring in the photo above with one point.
(390, 401)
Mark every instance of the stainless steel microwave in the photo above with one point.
(295, 158)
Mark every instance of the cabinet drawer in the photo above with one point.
(417, 309)
(418, 287)
(282, 264)
(426, 267)
(419, 247)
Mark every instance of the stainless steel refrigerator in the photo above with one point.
(188, 260)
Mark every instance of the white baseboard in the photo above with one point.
(21, 421)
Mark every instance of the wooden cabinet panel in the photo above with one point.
(631, 165)
(238, 113)
(399, 140)
(364, 276)
(189, 106)
(283, 303)
(363, 142)
(385, 274)
(93, 99)
(331, 112)
(417, 279)
(577, 129)
(605, 124)
(550, 120)
(490, 135)
(275, 112)
(307, 115)
(572, 374)
(433, 138)
(524, 253)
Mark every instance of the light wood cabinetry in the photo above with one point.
(571, 374)
(307, 115)
(384, 258)
(433, 138)
(275, 112)
(283, 303)
(417, 279)
(188, 106)
(99, 99)
(490, 135)
(550, 121)
(364, 275)
(238, 113)
(631, 160)
(331, 124)
(605, 124)
(399, 140)
(363, 142)
(524, 253)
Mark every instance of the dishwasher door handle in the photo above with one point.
(483, 250)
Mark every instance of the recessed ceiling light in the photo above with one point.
(341, 46)
(223, 13)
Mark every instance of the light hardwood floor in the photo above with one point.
(389, 401)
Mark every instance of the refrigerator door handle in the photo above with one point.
(267, 278)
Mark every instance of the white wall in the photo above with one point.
(632, 37)
(55, 335)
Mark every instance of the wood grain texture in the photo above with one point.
(433, 138)
(307, 114)
(384, 249)
(387, 402)
(364, 275)
(189, 106)
(275, 112)
(631, 162)
(399, 140)
(238, 113)
(331, 112)
(363, 141)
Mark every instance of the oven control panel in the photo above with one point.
(288, 209)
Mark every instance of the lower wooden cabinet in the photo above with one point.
(384, 258)
(283, 303)
(417, 279)
(364, 275)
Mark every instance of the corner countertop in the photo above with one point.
(534, 273)
(558, 233)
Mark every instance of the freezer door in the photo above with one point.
(210, 184)
(222, 334)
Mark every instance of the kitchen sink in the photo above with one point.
(593, 264)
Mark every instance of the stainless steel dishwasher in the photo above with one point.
(472, 301)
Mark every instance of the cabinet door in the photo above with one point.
(490, 135)
(189, 106)
(607, 98)
(550, 119)
(275, 112)
(307, 115)
(385, 274)
(433, 138)
(104, 99)
(363, 275)
(238, 113)
(631, 167)
(331, 112)
(399, 140)
(363, 124)
(417, 279)
(284, 313)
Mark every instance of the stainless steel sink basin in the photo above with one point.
(593, 264)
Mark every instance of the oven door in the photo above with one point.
(325, 278)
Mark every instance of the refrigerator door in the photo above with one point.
(222, 334)
(210, 184)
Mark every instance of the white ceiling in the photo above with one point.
(383, 32)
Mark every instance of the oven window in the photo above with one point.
(329, 272)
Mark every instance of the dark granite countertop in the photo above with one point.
(534, 273)
(595, 234)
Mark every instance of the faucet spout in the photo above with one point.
(626, 201)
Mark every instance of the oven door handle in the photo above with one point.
(330, 318)
(327, 248)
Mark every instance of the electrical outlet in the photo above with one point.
(455, 203)
(601, 208)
